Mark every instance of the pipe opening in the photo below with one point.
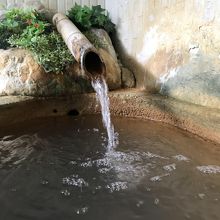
(93, 64)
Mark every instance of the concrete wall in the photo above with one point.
(173, 46)
(59, 5)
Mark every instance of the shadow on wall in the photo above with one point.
(144, 78)
(193, 78)
(201, 88)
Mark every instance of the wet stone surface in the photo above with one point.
(59, 168)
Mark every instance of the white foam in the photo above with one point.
(209, 169)
(75, 180)
(117, 186)
(101, 89)
(170, 167)
(180, 157)
(86, 164)
(158, 178)
(82, 210)
(65, 192)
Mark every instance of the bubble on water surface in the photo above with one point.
(158, 178)
(151, 155)
(74, 180)
(44, 182)
(148, 189)
(156, 201)
(73, 162)
(170, 167)
(98, 187)
(95, 129)
(180, 157)
(82, 211)
(117, 186)
(13, 190)
(201, 195)
(104, 170)
(65, 192)
(209, 169)
(102, 162)
(140, 203)
(86, 164)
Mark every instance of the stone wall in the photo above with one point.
(20, 74)
(173, 46)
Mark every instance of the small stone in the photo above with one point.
(128, 80)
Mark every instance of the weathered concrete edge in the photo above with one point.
(201, 121)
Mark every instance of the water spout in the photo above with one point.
(101, 89)
(92, 67)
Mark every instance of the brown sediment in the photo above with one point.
(201, 121)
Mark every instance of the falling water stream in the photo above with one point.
(101, 89)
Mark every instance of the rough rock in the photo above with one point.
(196, 82)
(107, 53)
(178, 40)
(20, 74)
(127, 78)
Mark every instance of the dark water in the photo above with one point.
(57, 169)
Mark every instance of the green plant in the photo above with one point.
(86, 18)
(13, 23)
(4, 36)
(30, 30)
(49, 49)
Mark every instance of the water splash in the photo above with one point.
(101, 89)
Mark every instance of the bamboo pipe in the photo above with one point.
(80, 47)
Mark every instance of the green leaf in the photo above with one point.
(85, 18)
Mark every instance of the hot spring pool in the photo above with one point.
(58, 168)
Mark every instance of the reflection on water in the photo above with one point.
(57, 168)
(13, 150)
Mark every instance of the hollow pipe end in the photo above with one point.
(92, 64)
